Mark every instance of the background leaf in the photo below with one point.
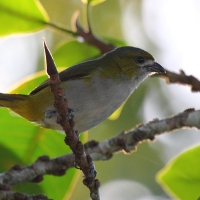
(181, 177)
(93, 2)
(72, 52)
(21, 16)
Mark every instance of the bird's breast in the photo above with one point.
(93, 99)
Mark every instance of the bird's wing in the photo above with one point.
(82, 70)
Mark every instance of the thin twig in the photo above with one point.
(91, 39)
(61, 29)
(182, 79)
(88, 17)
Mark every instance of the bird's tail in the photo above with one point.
(16, 102)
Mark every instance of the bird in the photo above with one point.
(94, 89)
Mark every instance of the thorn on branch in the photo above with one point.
(50, 65)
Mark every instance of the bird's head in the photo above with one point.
(134, 62)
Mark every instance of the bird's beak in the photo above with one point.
(157, 68)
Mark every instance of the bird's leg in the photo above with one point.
(70, 114)
(53, 113)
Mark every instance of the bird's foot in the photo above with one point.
(70, 114)
(53, 113)
(50, 113)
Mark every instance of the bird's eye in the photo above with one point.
(139, 59)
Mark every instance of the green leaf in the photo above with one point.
(27, 84)
(23, 142)
(92, 2)
(21, 16)
(115, 42)
(181, 177)
(73, 52)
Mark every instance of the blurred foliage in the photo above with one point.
(21, 16)
(92, 2)
(72, 52)
(181, 177)
(23, 142)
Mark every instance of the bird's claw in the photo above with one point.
(76, 165)
(52, 113)
(70, 114)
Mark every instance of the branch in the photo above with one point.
(6, 193)
(126, 142)
(35, 172)
(181, 78)
(83, 161)
(91, 39)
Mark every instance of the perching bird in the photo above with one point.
(94, 89)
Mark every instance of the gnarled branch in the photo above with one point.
(125, 142)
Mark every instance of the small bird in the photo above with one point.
(94, 89)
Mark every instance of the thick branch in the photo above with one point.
(83, 161)
(128, 142)
(104, 150)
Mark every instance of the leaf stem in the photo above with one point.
(58, 28)
(88, 17)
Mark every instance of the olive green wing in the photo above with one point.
(82, 70)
